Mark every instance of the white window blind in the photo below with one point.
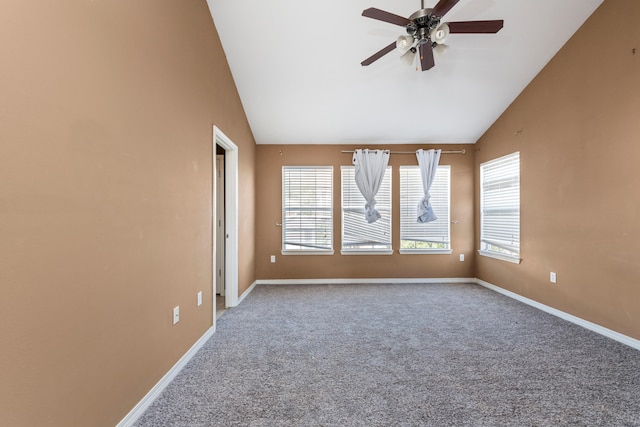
(500, 206)
(432, 236)
(357, 234)
(307, 205)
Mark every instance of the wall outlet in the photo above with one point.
(199, 298)
(461, 257)
(176, 314)
(273, 259)
(552, 277)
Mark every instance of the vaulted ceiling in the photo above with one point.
(297, 68)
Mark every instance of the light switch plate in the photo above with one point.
(176, 314)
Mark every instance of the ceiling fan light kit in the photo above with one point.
(409, 57)
(441, 49)
(426, 32)
(404, 44)
(440, 34)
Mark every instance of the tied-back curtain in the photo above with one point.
(370, 166)
(428, 162)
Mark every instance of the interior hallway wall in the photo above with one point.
(106, 125)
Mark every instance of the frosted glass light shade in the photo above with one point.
(440, 49)
(408, 57)
(404, 43)
(440, 34)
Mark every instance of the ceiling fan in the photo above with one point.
(425, 32)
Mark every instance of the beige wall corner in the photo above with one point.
(577, 131)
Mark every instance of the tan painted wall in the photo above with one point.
(579, 151)
(106, 115)
(269, 162)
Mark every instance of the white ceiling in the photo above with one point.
(296, 64)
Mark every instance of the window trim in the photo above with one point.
(502, 257)
(409, 251)
(306, 251)
(366, 251)
(419, 251)
(512, 258)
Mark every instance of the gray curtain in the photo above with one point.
(428, 162)
(370, 166)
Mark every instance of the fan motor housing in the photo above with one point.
(422, 22)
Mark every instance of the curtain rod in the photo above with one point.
(463, 152)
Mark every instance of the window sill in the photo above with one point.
(290, 252)
(366, 252)
(426, 251)
(512, 259)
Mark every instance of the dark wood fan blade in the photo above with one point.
(475, 27)
(426, 56)
(381, 15)
(378, 55)
(443, 7)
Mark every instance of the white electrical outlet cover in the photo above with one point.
(461, 257)
(199, 298)
(552, 277)
(176, 315)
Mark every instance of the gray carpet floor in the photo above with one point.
(399, 355)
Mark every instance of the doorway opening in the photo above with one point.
(225, 221)
(219, 271)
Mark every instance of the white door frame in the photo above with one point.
(221, 226)
(231, 216)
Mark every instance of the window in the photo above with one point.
(357, 234)
(500, 208)
(307, 204)
(432, 237)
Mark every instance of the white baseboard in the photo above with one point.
(247, 292)
(624, 339)
(153, 394)
(361, 281)
(148, 399)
